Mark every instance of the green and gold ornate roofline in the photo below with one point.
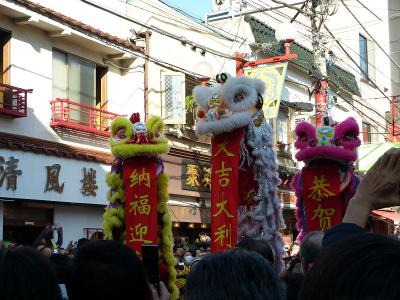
(337, 76)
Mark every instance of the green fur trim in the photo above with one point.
(121, 212)
(111, 219)
(114, 180)
(163, 195)
(129, 150)
(118, 123)
(121, 149)
(108, 195)
(166, 241)
(118, 196)
(155, 125)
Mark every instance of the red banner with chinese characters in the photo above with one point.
(140, 182)
(224, 189)
(322, 197)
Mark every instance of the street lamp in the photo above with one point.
(205, 70)
(286, 33)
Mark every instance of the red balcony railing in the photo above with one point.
(81, 117)
(13, 101)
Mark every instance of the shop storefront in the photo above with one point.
(189, 190)
(38, 189)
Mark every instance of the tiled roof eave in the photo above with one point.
(78, 25)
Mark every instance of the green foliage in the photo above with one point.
(190, 104)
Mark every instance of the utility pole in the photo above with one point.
(319, 12)
(394, 132)
(319, 73)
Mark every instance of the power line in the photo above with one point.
(381, 72)
(372, 38)
(351, 58)
(369, 10)
(174, 66)
(366, 24)
(155, 29)
(233, 43)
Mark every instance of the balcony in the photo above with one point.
(75, 116)
(13, 101)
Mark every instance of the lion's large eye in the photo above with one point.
(120, 134)
(239, 97)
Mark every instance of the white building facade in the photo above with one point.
(54, 154)
(79, 69)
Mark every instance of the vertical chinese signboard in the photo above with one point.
(225, 196)
(196, 176)
(322, 197)
(140, 202)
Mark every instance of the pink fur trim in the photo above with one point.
(348, 127)
(326, 152)
(306, 130)
(297, 187)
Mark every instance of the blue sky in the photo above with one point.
(197, 8)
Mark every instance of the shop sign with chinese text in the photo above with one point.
(196, 176)
(26, 175)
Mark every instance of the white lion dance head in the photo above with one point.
(223, 108)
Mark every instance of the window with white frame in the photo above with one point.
(173, 98)
(367, 58)
(366, 131)
(80, 81)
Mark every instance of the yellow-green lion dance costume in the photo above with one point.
(130, 140)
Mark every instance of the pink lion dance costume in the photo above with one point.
(327, 181)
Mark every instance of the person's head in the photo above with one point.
(107, 270)
(81, 242)
(179, 252)
(60, 263)
(26, 274)
(310, 248)
(293, 283)
(363, 267)
(259, 246)
(198, 252)
(203, 237)
(44, 250)
(235, 274)
(187, 257)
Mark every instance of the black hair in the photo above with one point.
(107, 270)
(293, 283)
(363, 267)
(235, 274)
(310, 247)
(259, 246)
(81, 242)
(27, 274)
(60, 263)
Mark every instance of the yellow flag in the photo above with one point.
(274, 77)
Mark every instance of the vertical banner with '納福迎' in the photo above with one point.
(140, 182)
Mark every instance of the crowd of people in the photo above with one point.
(343, 263)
